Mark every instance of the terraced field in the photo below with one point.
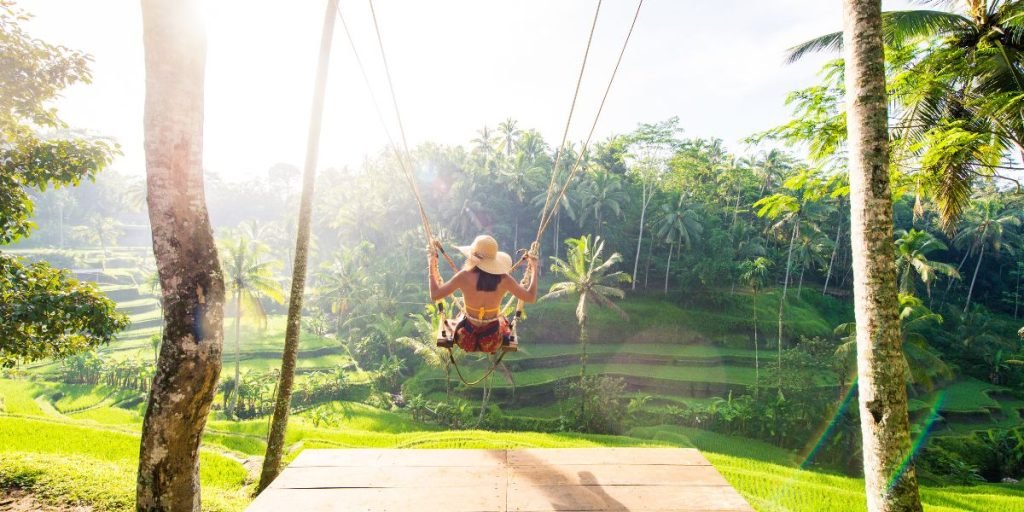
(75, 458)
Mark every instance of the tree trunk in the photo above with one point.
(757, 358)
(800, 286)
(282, 406)
(1016, 292)
(782, 298)
(832, 260)
(192, 288)
(668, 266)
(970, 290)
(584, 339)
(647, 267)
(889, 475)
(640, 238)
(238, 350)
(949, 284)
(558, 218)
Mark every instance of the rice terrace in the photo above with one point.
(388, 255)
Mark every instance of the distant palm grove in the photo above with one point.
(697, 293)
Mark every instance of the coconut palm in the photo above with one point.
(957, 91)
(785, 210)
(770, 168)
(912, 249)
(590, 278)
(509, 134)
(343, 279)
(484, 146)
(603, 196)
(282, 403)
(985, 229)
(755, 274)
(248, 279)
(890, 481)
(678, 224)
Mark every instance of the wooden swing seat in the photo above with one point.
(446, 335)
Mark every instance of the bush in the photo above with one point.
(595, 405)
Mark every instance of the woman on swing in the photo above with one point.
(484, 280)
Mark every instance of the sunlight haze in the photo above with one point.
(457, 65)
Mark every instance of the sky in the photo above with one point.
(457, 66)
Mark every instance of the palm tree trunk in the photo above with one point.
(238, 350)
(800, 287)
(647, 267)
(782, 298)
(970, 290)
(640, 238)
(832, 260)
(757, 358)
(282, 407)
(584, 339)
(949, 283)
(186, 259)
(890, 479)
(558, 218)
(1016, 292)
(668, 266)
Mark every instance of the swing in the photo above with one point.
(504, 326)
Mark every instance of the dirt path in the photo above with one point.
(16, 500)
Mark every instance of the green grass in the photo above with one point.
(44, 437)
(737, 375)
(653, 320)
(530, 351)
(767, 477)
(969, 395)
(18, 397)
(78, 459)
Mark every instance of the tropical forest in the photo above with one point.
(825, 304)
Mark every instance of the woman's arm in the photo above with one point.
(527, 295)
(440, 291)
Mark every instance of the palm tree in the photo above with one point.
(603, 195)
(343, 279)
(509, 133)
(755, 273)
(282, 406)
(985, 229)
(889, 476)
(912, 249)
(785, 210)
(248, 279)
(186, 257)
(770, 168)
(590, 278)
(484, 145)
(424, 345)
(677, 224)
(958, 79)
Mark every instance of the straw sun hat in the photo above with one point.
(484, 254)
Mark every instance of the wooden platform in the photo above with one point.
(535, 480)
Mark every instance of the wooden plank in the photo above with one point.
(534, 480)
(320, 477)
(378, 458)
(605, 456)
(549, 498)
(586, 474)
(463, 499)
